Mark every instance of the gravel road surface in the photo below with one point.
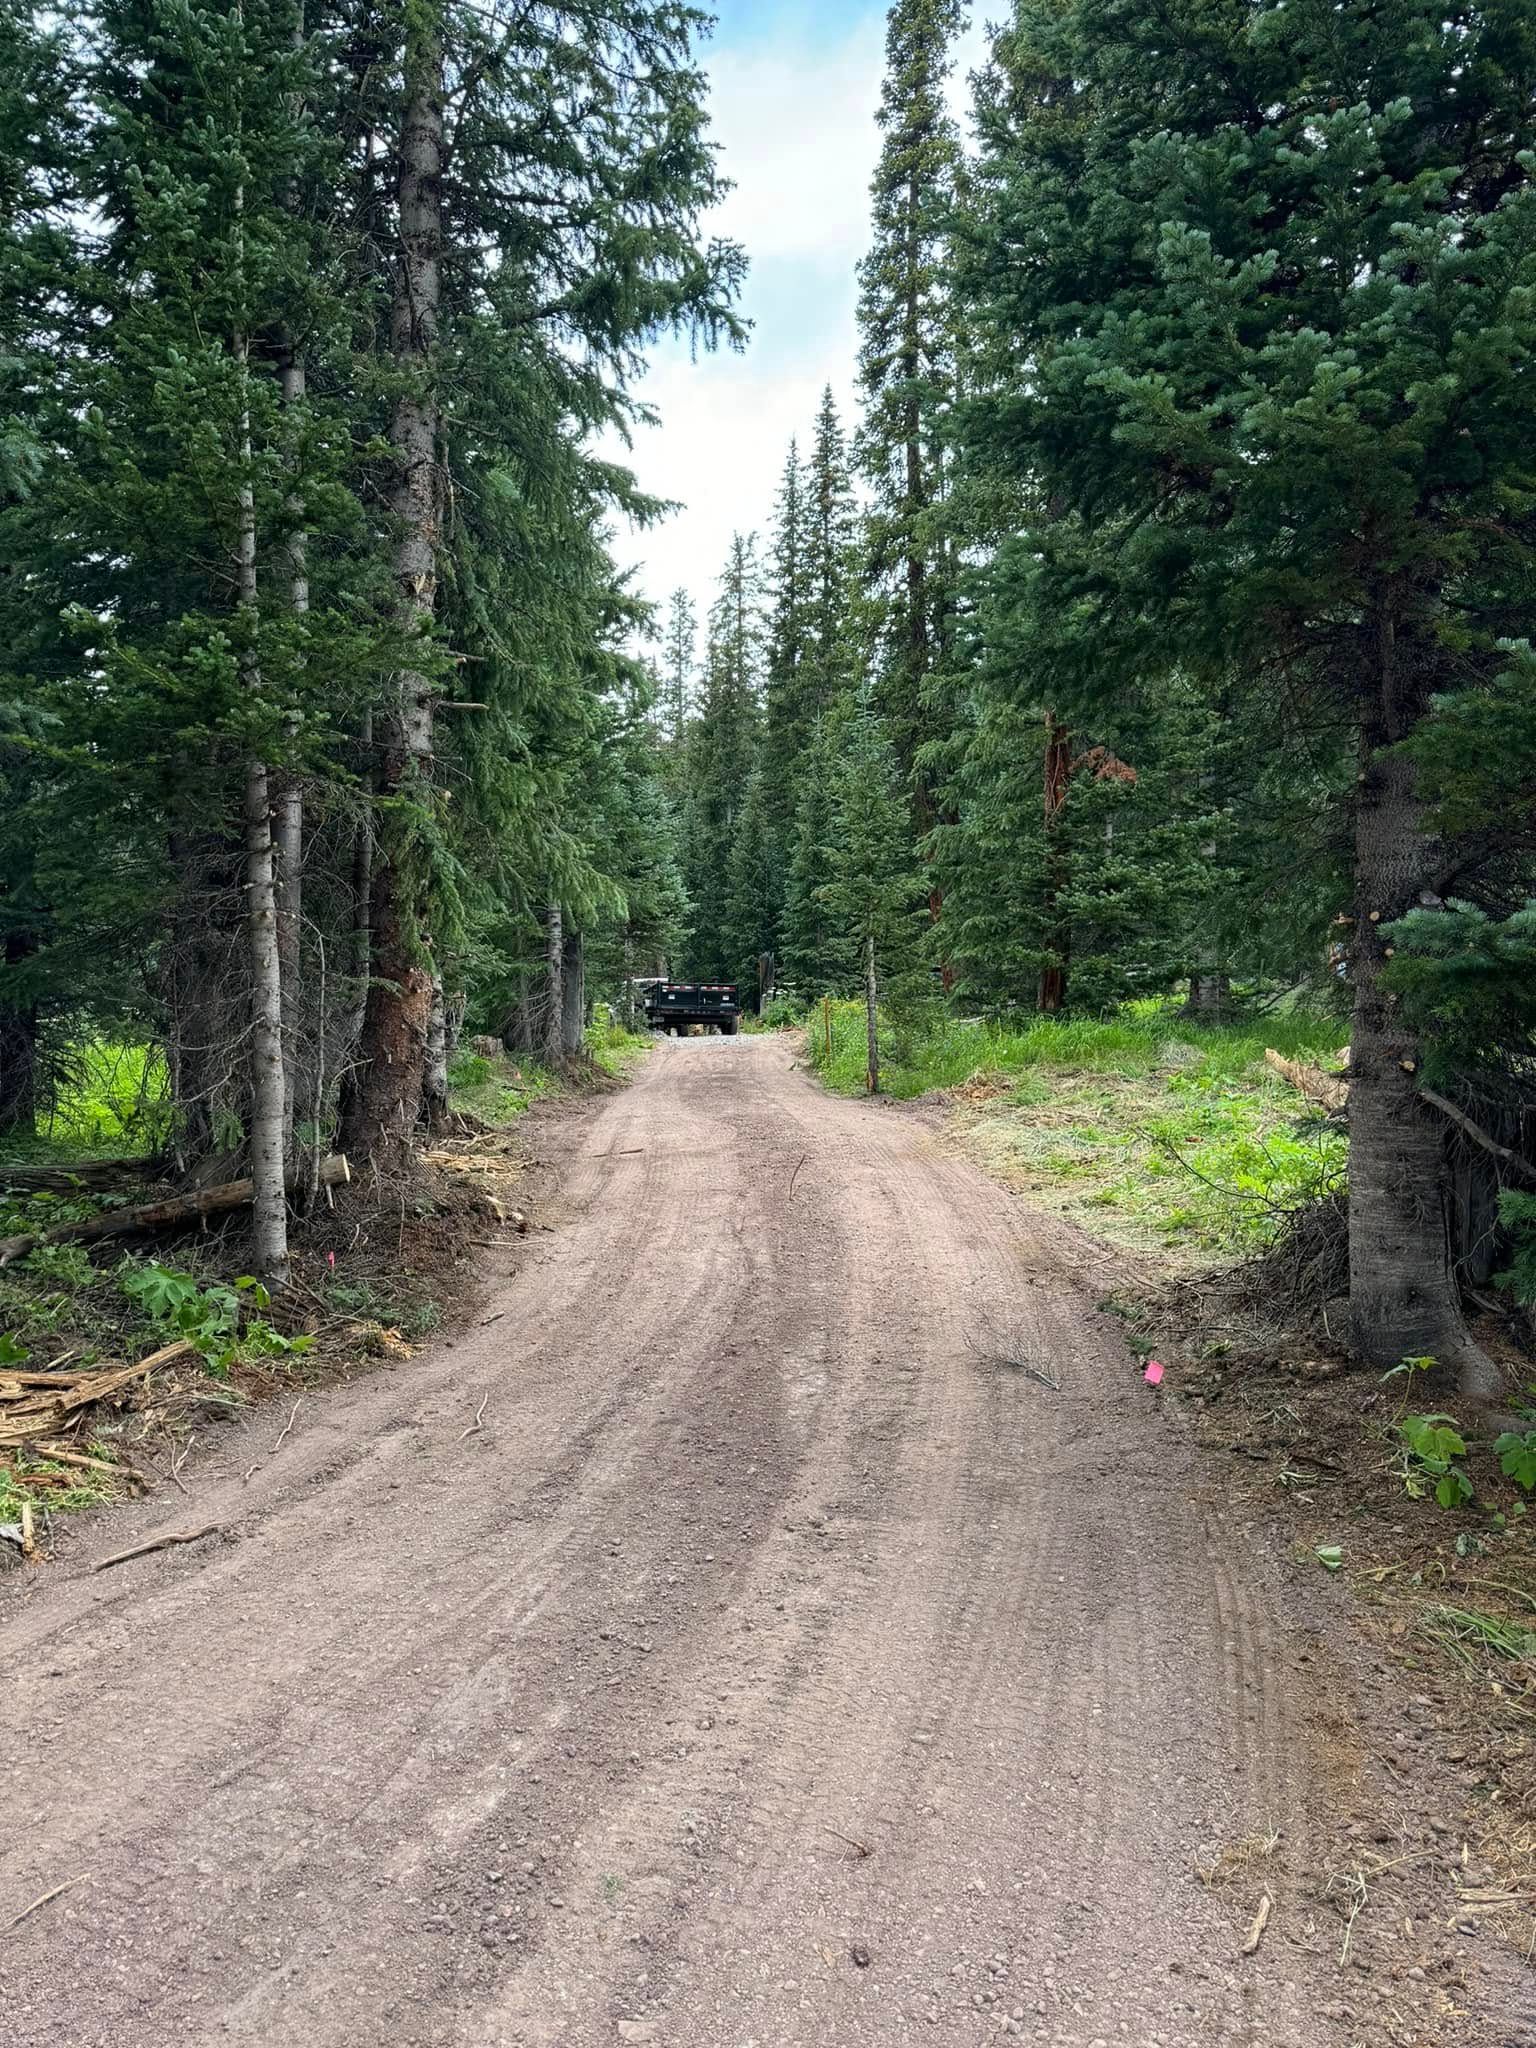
(776, 1666)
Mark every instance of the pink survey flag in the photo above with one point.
(1153, 1374)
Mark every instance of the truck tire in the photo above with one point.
(728, 1026)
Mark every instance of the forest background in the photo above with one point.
(1152, 631)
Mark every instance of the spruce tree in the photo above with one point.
(545, 227)
(815, 956)
(723, 751)
(874, 891)
(830, 660)
(1263, 276)
(678, 663)
(907, 374)
(790, 717)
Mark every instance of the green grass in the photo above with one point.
(109, 1100)
(1148, 1130)
(33, 1480)
(614, 1049)
(498, 1090)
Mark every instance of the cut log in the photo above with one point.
(95, 1174)
(1329, 1091)
(172, 1214)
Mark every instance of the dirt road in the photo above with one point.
(577, 1729)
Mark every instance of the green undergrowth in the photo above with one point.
(613, 1049)
(104, 1100)
(497, 1089)
(1149, 1130)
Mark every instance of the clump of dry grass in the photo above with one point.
(1222, 1863)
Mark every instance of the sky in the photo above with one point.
(793, 95)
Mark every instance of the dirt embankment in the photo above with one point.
(776, 1662)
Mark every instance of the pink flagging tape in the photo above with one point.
(1153, 1374)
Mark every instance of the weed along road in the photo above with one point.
(775, 1665)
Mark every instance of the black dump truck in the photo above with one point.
(674, 1005)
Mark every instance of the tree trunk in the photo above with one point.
(554, 957)
(1210, 996)
(1402, 1289)
(1052, 992)
(288, 814)
(573, 995)
(385, 1096)
(434, 1093)
(18, 1072)
(871, 1016)
(268, 1126)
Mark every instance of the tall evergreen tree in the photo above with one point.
(1264, 273)
(874, 891)
(814, 950)
(789, 718)
(830, 661)
(723, 753)
(549, 187)
(907, 373)
(679, 660)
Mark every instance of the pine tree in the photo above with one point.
(789, 717)
(874, 891)
(571, 239)
(1262, 276)
(37, 134)
(907, 372)
(678, 663)
(753, 896)
(814, 953)
(830, 659)
(723, 754)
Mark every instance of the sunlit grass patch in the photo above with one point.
(1152, 1131)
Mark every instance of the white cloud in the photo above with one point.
(794, 113)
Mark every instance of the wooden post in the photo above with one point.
(826, 1017)
(872, 1016)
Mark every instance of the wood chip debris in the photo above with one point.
(37, 1405)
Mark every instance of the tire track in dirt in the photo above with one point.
(510, 1740)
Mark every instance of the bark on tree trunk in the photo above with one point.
(268, 1133)
(18, 1050)
(288, 812)
(1402, 1289)
(573, 995)
(18, 1072)
(385, 1095)
(554, 997)
(1210, 995)
(434, 1093)
(871, 1016)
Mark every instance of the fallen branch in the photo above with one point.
(1513, 1162)
(796, 1175)
(86, 1173)
(1328, 1090)
(170, 1214)
(478, 1424)
(252, 1470)
(862, 1847)
(27, 1911)
(157, 1543)
(1255, 1933)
